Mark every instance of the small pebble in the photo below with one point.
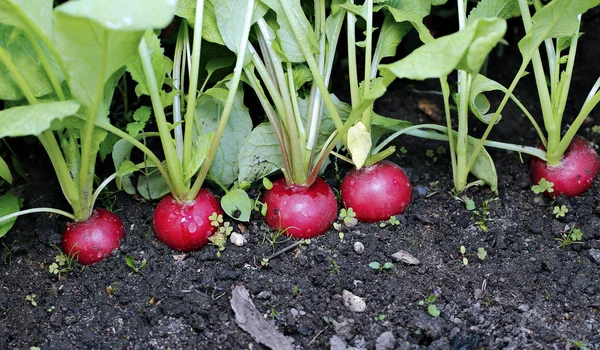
(238, 239)
(595, 254)
(523, 308)
(359, 248)
(353, 302)
(294, 312)
(422, 190)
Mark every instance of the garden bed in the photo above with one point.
(526, 293)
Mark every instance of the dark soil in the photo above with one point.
(527, 293)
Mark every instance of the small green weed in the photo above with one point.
(573, 236)
(481, 254)
(432, 308)
(392, 221)
(375, 265)
(130, 261)
(543, 186)
(31, 299)
(560, 211)
(62, 264)
(219, 239)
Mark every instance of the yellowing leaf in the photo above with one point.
(359, 143)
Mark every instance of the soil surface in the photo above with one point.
(526, 294)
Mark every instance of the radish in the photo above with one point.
(90, 241)
(300, 211)
(574, 174)
(185, 226)
(376, 192)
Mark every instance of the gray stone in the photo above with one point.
(385, 341)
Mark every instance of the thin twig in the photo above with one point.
(318, 334)
(286, 249)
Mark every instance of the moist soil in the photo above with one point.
(526, 294)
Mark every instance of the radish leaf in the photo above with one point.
(34, 119)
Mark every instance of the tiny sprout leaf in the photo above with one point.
(463, 249)
(465, 261)
(470, 204)
(237, 204)
(388, 265)
(267, 184)
(433, 310)
(432, 298)
(375, 265)
(130, 261)
(481, 253)
(576, 234)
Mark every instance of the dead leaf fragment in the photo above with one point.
(431, 110)
(405, 257)
(252, 321)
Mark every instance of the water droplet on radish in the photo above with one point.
(192, 228)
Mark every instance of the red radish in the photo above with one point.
(376, 192)
(300, 211)
(574, 174)
(93, 240)
(185, 226)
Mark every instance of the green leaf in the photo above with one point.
(9, 203)
(210, 30)
(230, 20)
(301, 75)
(463, 250)
(208, 111)
(24, 57)
(120, 156)
(556, 19)
(130, 261)
(285, 35)
(219, 63)
(381, 125)
(431, 298)
(466, 50)
(433, 310)
(140, 117)
(388, 265)
(96, 41)
(375, 265)
(152, 186)
(260, 154)
(478, 102)
(470, 205)
(5, 171)
(494, 8)
(413, 12)
(159, 65)
(33, 120)
(237, 204)
(28, 15)
(267, 184)
(481, 253)
(199, 152)
(390, 36)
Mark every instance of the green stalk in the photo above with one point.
(314, 68)
(366, 118)
(315, 102)
(297, 117)
(175, 172)
(496, 115)
(190, 114)
(451, 141)
(464, 87)
(37, 210)
(566, 140)
(280, 94)
(564, 93)
(540, 82)
(273, 119)
(352, 65)
(178, 77)
(237, 74)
